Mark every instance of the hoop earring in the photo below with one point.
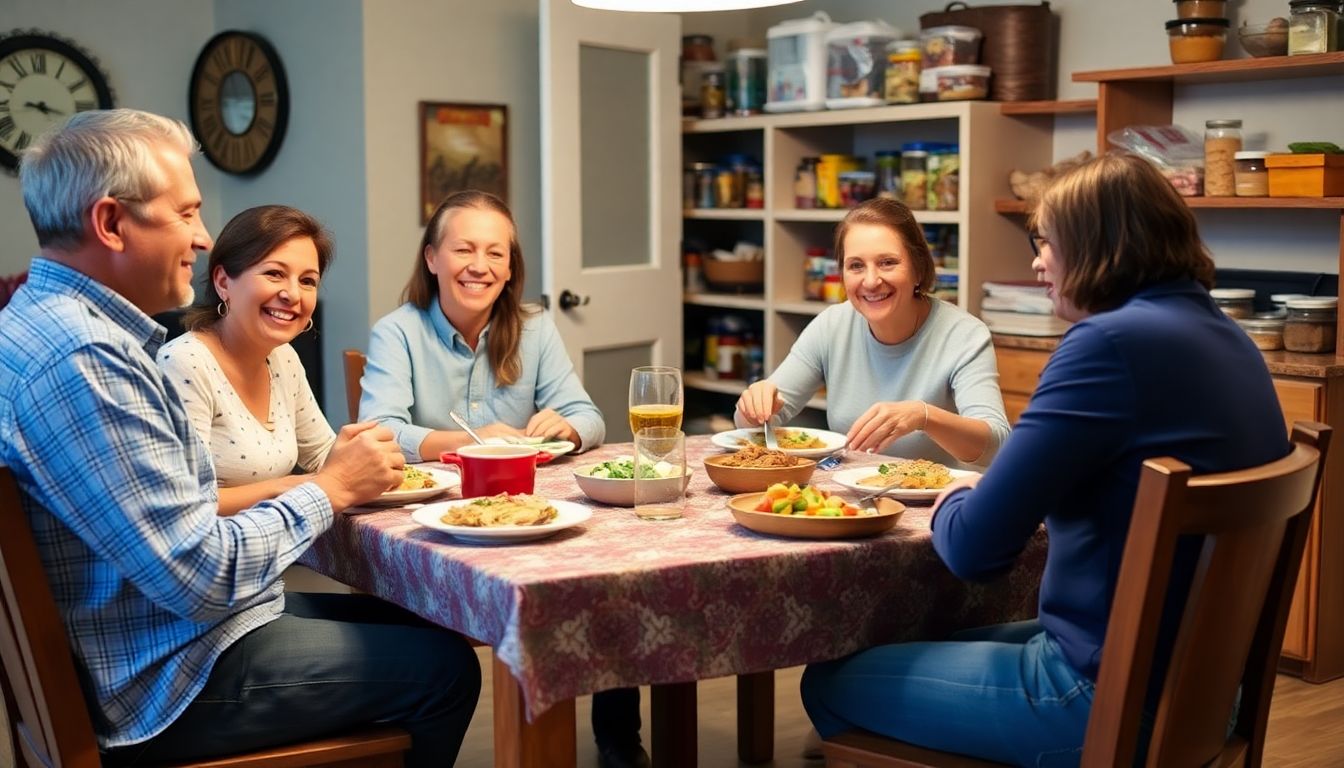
(309, 326)
(222, 309)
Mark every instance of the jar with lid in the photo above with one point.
(706, 194)
(713, 327)
(1222, 141)
(1280, 301)
(726, 192)
(833, 289)
(695, 277)
(1236, 303)
(805, 183)
(731, 353)
(889, 172)
(914, 181)
(1313, 27)
(713, 92)
(1251, 174)
(902, 77)
(1266, 332)
(697, 55)
(1310, 325)
(753, 195)
(814, 273)
(746, 81)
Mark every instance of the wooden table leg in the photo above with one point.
(546, 742)
(672, 707)
(756, 717)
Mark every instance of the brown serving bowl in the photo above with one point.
(754, 479)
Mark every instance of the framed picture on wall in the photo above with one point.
(462, 146)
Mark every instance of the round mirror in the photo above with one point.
(237, 103)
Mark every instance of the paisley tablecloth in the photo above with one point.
(619, 601)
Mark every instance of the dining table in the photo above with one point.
(618, 601)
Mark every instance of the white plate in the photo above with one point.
(444, 480)
(850, 478)
(553, 447)
(834, 441)
(568, 515)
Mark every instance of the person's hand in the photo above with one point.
(968, 481)
(364, 462)
(498, 429)
(884, 423)
(548, 423)
(759, 403)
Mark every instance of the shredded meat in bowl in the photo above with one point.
(757, 456)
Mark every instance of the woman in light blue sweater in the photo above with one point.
(905, 374)
(463, 342)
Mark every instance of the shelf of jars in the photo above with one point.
(1011, 206)
(836, 214)
(752, 301)
(724, 214)
(1225, 71)
(1054, 107)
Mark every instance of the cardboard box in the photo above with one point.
(1305, 175)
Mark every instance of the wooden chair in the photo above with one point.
(354, 370)
(48, 719)
(1255, 522)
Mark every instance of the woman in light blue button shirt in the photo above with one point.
(462, 341)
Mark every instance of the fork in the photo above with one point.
(461, 422)
(770, 442)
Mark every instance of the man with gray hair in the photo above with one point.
(185, 642)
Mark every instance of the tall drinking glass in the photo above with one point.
(655, 397)
(660, 473)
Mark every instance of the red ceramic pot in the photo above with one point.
(491, 469)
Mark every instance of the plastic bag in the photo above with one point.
(1175, 150)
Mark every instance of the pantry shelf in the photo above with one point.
(1061, 107)
(1010, 206)
(1229, 70)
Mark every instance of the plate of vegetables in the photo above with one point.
(808, 512)
(613, 481)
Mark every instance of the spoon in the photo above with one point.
(461, 422)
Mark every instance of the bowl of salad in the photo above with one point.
(612, 481)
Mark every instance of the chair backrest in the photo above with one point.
(1254, 523)
(43, 699)
(354, 371)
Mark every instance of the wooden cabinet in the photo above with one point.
(990, 145)
(1313, 643)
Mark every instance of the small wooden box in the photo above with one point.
(1305, 175)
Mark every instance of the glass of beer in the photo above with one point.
(655, 397)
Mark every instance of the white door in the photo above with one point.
(611, 156)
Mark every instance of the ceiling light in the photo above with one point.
(678, 6)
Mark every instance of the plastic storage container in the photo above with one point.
(943, 173)
(1201, 9)
(1195, 40)
(960, 82)
(914, 176)
(1266, 332)
(1251, 174)
(1310, 326)
(797, 64)
(746, 81)
(948, 45)
(904, 63)
(856, 64)
(1238, 303)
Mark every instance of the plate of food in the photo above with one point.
(505, 518)
(613, 481)
(543, 444)
(808, 443)
(420, 483)
(904, 479)
(808, 512)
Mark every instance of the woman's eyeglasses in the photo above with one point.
(1037, 241)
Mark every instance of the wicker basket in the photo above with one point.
(1019, 46)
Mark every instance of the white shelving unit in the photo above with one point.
(990, 146)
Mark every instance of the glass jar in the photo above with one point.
(1222, 142)
(1236, 303)
(753, 194)
(1310, 325)
(1266, 332)
(697, 54)
(814, 274)
(713, 92)
(903, 66)
(833, 289)
(746, 81)
(914, 177)
(1312, 27)
(706, 195)
(888, 169)
(943, 179)
(1251, 174)
(805, 183)
(1280, 301)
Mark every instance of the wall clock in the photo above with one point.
(239, 102)
(43, 80)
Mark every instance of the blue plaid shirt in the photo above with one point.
(152, 585)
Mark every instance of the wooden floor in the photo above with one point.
(1306, 725)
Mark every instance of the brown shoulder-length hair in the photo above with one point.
(1118, 226)
(248, 238)
(894, 215)
(507, 314)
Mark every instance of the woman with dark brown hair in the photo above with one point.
(905, 373)
(1150, 368)
(464, 342)
(241, 382)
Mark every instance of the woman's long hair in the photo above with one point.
(507, 313)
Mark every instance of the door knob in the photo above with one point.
(570, 300)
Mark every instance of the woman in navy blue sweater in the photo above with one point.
(1150, 368)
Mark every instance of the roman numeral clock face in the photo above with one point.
(239, 102)
(43, 80)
